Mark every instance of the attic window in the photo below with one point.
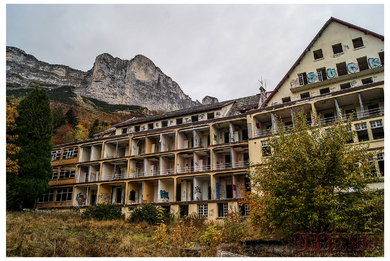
(358, 42)
(194, 118)
(137, 128)
(305, 95)
(286, 99)
(382, 57)
(345, 85)
(210, 115)
(367, 80)
(318, 54)
(124, 130)
(179, 121)
(362, 62)
(337, 48)
(164, 123)
(342, 69)
(150, 126)
(321, 74)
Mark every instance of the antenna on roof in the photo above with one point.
(263, 88)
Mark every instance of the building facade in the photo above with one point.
(196, 160)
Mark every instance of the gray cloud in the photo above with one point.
(217, 50)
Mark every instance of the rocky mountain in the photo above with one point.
(131, 82)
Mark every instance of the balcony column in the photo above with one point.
(273, 122)
(361, 104)
(337, 108)
(126, 192)
(174, 188)
(292, 116)
(314, 114)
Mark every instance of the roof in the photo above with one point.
(307, 49)
(238, 104)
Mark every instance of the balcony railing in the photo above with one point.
(93, 177)
(115, 176)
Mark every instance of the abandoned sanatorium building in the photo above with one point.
(194, 160)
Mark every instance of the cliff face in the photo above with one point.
(116, 81)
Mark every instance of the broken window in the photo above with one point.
(150, 126)
(223, 209)
(203, 210)
(377, 129)
(64, 194)
(305, 95)
(329, 118)
(381, 163)
(361, 131)
(351, 112)
(363, 64)
(342, 69)
(322, 74)
(124, 130)
(382, 57)
(318, 54)
(265, 149)
(286, 99)
(302, 77)
(374, 110)
(54, 175)
(357, 42)
(67, 173)
(137, 128)
(55, 155)
(194, 118)
(179, 121)
(70, 153)
(337, 48)
(47, 196)
(164, 123)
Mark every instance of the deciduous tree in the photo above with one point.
(313, 180)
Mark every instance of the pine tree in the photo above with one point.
(34, 128)
(71, 118)
(58, 117)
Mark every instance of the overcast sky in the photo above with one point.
(218, 50)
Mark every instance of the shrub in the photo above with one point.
(150, 214)
(212, 237)
(233, 230)
(103, 211)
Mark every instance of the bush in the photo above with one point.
(150, 214)
(103, 211)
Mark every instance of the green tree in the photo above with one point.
(34, 129)
(314, 180)
(58, 117)
(97, 127)
(71, 118)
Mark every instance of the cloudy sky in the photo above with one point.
(220, 50)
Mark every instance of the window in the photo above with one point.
(318, 54)
(381, 163)
(118, 198)
(124, 130)
(324, 90)
(137, 128)
(54, 175)
(345, 85)
(337, 48)
(64, 194)
(358, 42)
(203, 210)
(265, 149)
(210, 115)
(150, 126)
(321, 74)
(329, 118)
(361, 131)
(47, 196)
(194, 118)
(302, 77)
(286, 99)
(222, 209)
(70, 153)
(67, 173)
(367, 81)
(382, 57)
(55, 155)
(377, 129)
(305, 95)
(179, 121)
(342, 69)
(244, 209)
(363, 64)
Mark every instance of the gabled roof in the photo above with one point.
(332, 19)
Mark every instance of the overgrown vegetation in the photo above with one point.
(104, 211)
(55, 233)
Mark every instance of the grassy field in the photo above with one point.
(66, 234)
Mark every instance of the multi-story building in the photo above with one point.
(195, 160)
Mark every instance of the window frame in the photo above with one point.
(64, 194)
